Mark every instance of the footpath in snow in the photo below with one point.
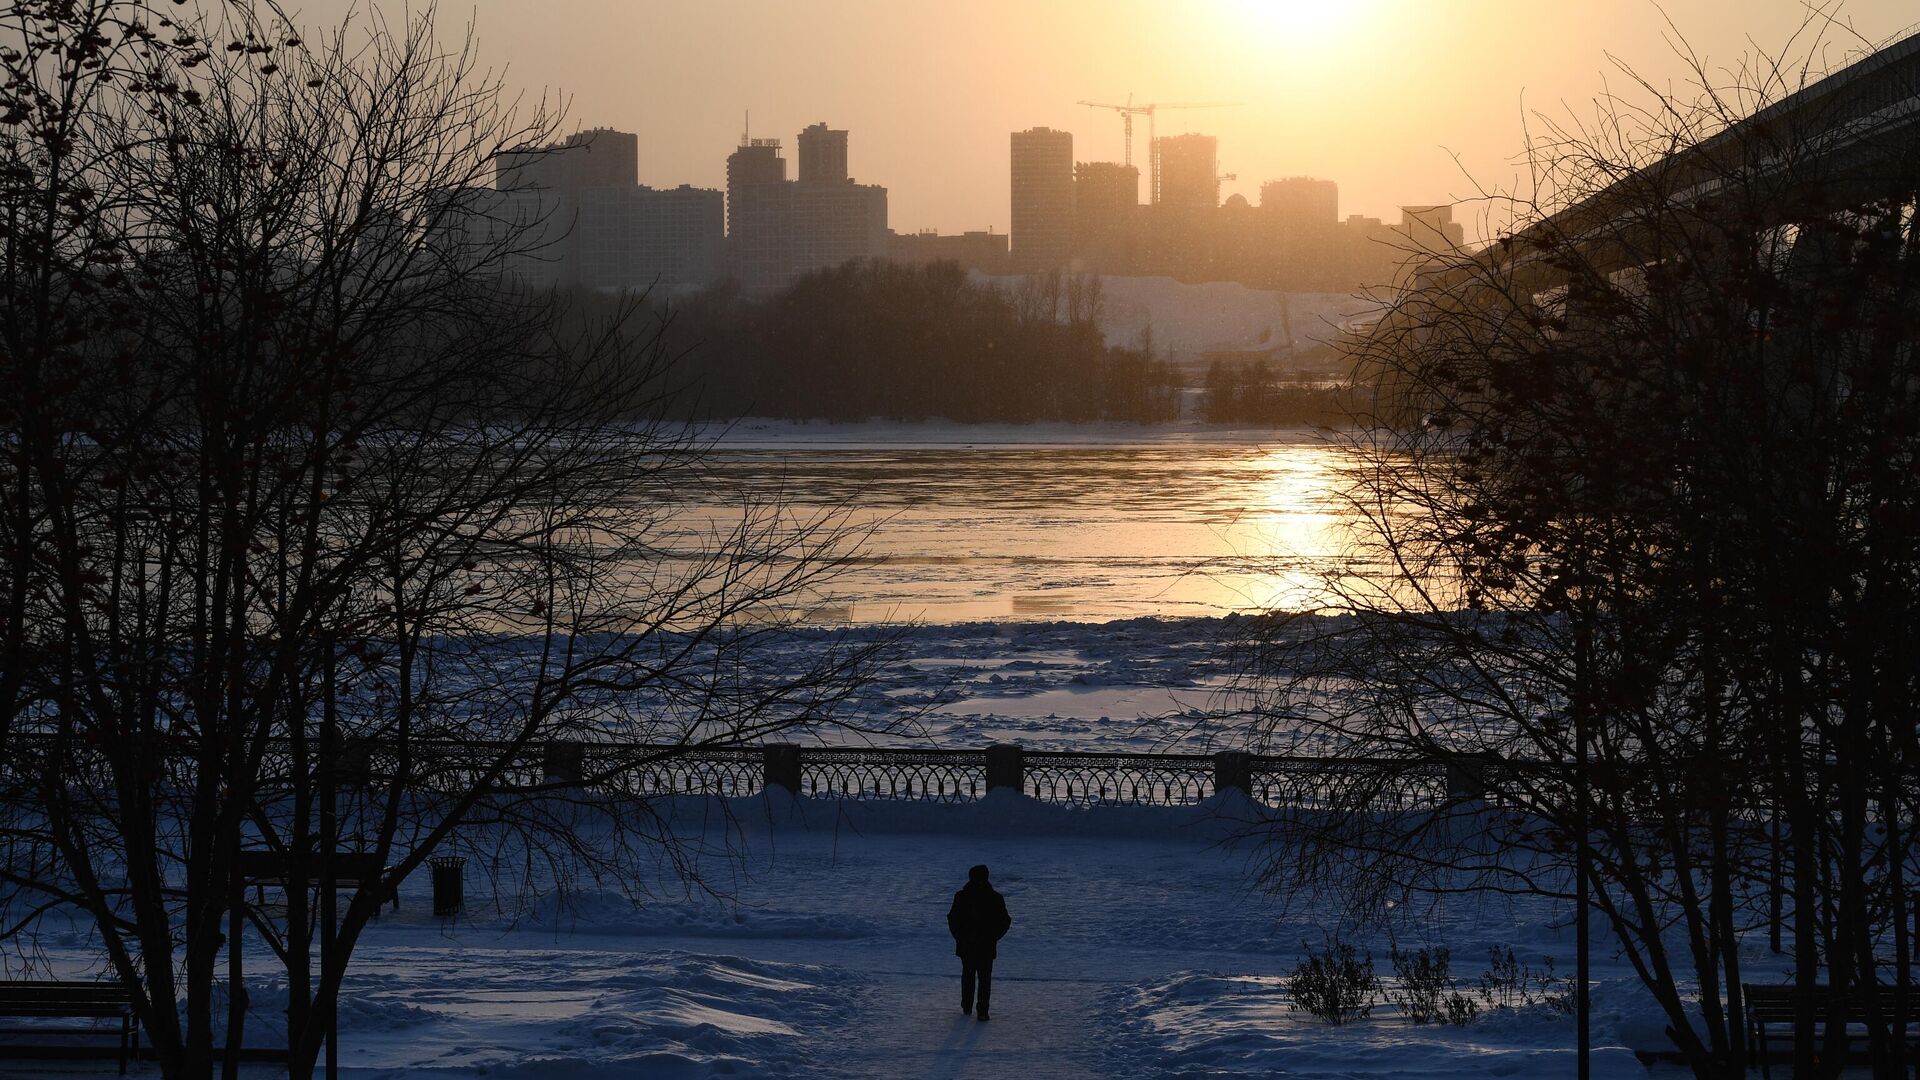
(1139, 949)
(815, 943)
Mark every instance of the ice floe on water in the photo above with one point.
(1135, 684)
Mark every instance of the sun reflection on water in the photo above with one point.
(1291, 535)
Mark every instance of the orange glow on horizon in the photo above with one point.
(1400, 102)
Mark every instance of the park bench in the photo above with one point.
(351, 869)
(69, 1000)
(1779, 1005)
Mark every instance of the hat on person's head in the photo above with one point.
(978, 873)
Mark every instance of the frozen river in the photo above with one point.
(1048, 523)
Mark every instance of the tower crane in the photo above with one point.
(1129, 110)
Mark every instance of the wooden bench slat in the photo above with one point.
(1773, 1003)
(1780, 1006)
(349, 867)
(28, 998)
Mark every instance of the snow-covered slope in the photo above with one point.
(1191, 318)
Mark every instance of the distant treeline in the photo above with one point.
(920, 342)
(903, 342)
(1251, 393)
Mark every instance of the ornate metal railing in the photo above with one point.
(937, 775)
(1082, 779)
(1371, 785)
(1063, 777)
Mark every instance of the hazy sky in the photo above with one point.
(1379, 95)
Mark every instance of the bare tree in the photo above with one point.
(1638, 496)
(351, 528)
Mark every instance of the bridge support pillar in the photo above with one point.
(1232, 769)
(1006, 767)
(781, 765)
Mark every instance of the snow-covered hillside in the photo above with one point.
(1191, 318)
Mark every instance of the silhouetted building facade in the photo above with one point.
(1301, 203)
(823, 155)
(1042, 194)
(981, 250)
(510, 232)
(1189, 168)
(632, 237)
(596, 157)
(581, 219)
(1431, 228)
(755, 163)
(1106, 212)
(756, 175)
(778, 230)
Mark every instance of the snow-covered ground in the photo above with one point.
(1139, 948)
(814, 945)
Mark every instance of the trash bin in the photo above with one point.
(449, 883)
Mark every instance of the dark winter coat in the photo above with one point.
(978, 920)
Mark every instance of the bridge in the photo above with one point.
(1849, 137)
(1694, 228)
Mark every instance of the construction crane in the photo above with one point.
(1130, 110)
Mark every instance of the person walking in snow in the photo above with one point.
(978, 920)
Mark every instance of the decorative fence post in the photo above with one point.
(1467, 776)
(1233, 769)
(780, 767)
(353, 764)
(563, 762)
(1006, 767)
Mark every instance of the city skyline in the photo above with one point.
(1447, 116)
(501, 585)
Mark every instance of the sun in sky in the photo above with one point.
(1301, 20)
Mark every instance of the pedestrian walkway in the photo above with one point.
(1040, 1028)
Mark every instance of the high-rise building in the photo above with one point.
(835, 223)
(778, 230)
(596, 157)
(1301, 203)
(1105, 196)
(1042, 189)
(823, 155)
(509, 234)
(1106, 212)
(635, 237)
(576, 215)
(756, 163)
(1431, 228)
(1189, 171)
